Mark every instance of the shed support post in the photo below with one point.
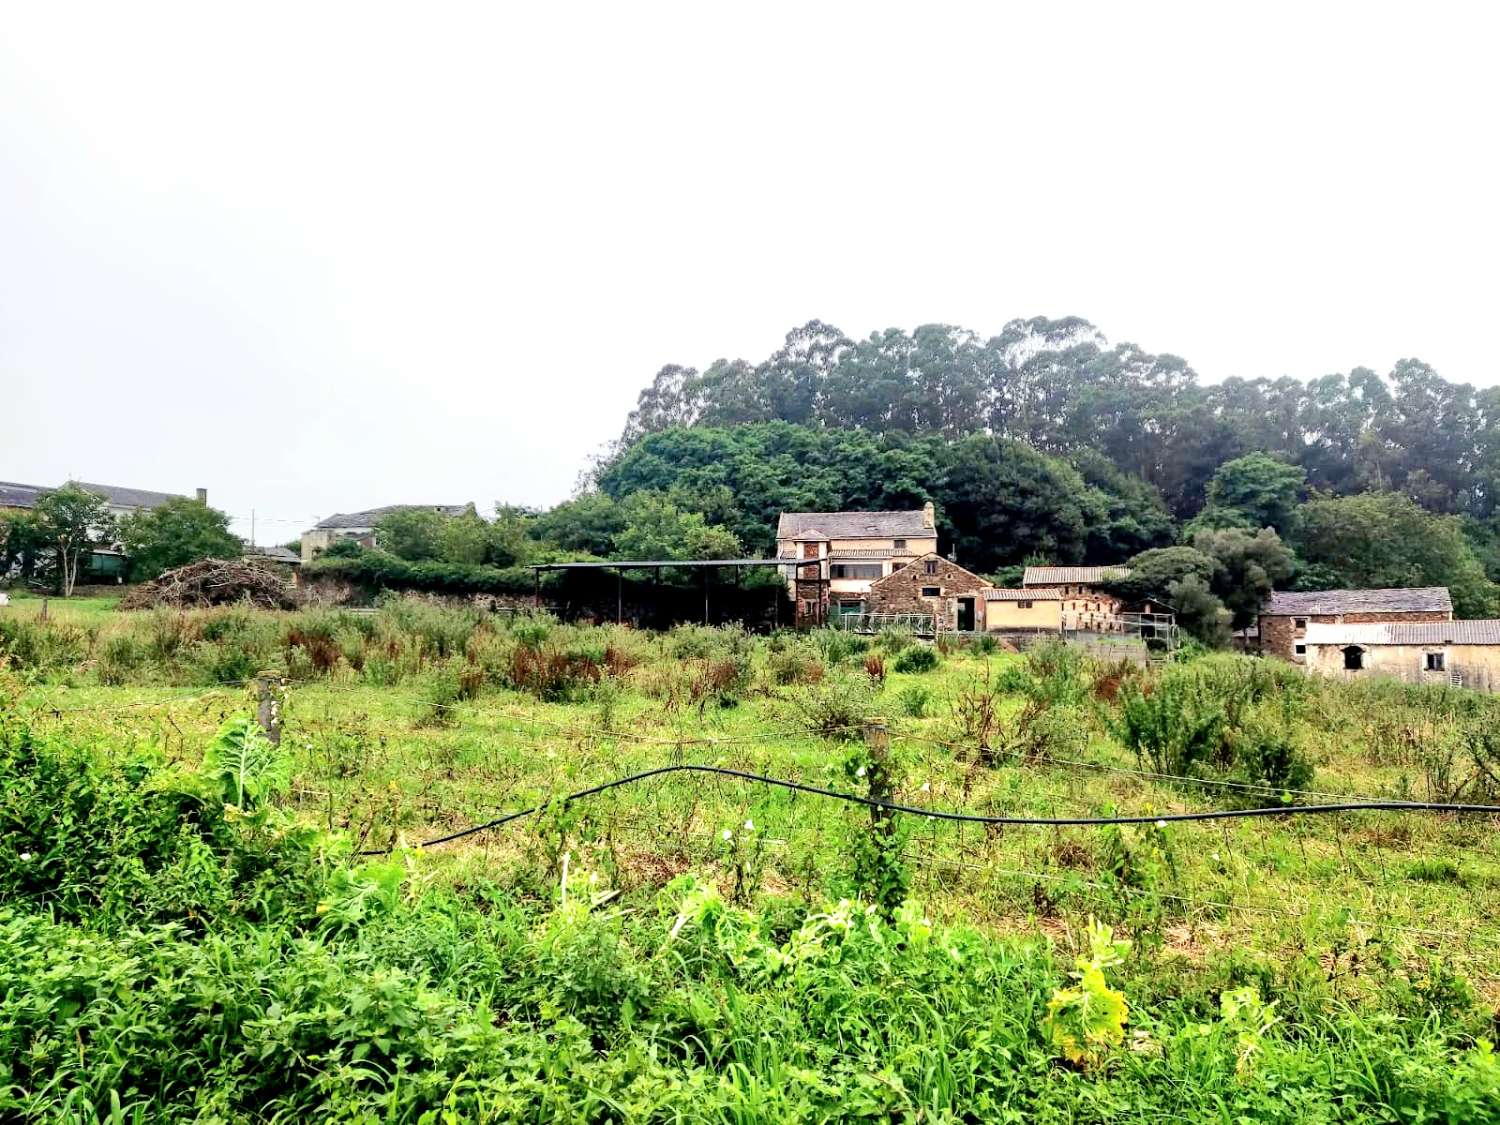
(620, 596)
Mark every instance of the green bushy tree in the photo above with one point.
(72, 522)
(1376, 539)
(173, 534)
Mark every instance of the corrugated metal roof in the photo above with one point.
(1417, 599)
(1069, 575)
(865, 553)
(855, 525)
(1405, 633)
(1022, 596)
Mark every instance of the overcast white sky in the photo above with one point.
(321, 257)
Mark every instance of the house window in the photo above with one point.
(900, 544)
(1301, 650)
(1435, 661)
(932, 591)
(856, 570)
(1299, 623)
(1354, 658)
(930, 567)
(1023, 605)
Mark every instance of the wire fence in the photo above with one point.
(1021, 835)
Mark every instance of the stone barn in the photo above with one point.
(1286, 615)
(1461, 653)
(932, 585)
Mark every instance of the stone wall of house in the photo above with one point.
(1279, 635)
(902, 592)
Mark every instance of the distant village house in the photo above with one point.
(840, 555)
(105, 563)
(360, 526)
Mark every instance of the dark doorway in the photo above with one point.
(965, 615)
(1354, 658)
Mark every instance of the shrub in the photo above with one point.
(1168, 730)
(43, 646)
(917, 658)
(122, 656)
(875, 667)
(551, 673)
(795, 664)
(914, 701)
(838, 646)
(835, 708)
(1266, 755)
(894, 641)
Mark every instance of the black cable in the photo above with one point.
(966, 818)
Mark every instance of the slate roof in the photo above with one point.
(128, 497)
(13, 495)
(1071, 575)
(1022, 596)
(855, 525)
(1429, 633)
(1419, 599)
(273, 554)
(343, 521)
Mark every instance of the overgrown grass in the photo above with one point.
(264, 973)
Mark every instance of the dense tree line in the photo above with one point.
(1059, 387)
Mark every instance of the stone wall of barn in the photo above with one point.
(1279, 635)
(903, 592)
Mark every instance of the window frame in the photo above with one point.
(1434, 661)
(932, 591)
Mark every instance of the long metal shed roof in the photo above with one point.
(1430, 633)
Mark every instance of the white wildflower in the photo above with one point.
(728, 835)
(860, 772)
(926, 787)
(1161, 824)
(749, 825)
(25, 857)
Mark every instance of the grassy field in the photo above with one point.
(676, 949)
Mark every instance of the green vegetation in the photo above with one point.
(173, 534)
(189, 934)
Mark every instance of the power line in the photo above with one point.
(960, 817)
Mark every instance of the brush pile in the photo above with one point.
(214, 582)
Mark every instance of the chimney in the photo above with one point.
(203, 496)
(928, 515)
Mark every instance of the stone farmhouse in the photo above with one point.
(840, 555)
(870, 567)
(1461, 653)
(932, 585)
(360, 526)
(1286, 616)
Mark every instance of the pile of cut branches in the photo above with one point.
(214, 582)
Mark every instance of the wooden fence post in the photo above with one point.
(268, 706)
(878, 742)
